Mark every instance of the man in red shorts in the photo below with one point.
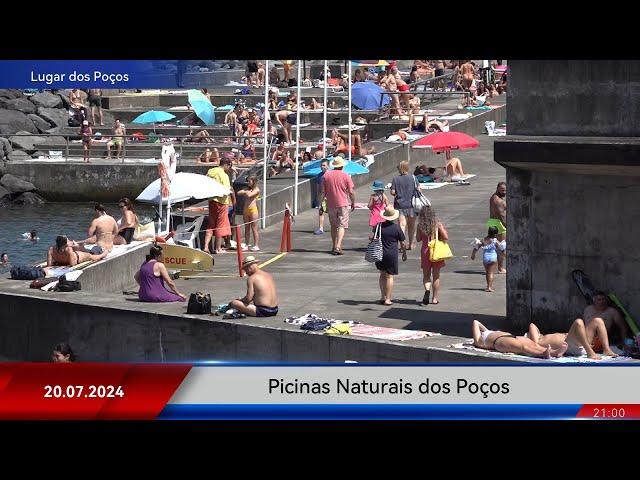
(218, 224)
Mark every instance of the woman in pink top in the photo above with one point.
(377, 203)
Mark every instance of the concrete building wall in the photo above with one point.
(574, 97)
(559, 223)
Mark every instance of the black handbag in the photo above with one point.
(65, 285)
(199, 303)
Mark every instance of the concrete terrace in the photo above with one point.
(113, 326)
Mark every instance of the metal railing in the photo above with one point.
(180, 143)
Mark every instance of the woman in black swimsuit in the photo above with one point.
(505, 342)
(129, 223)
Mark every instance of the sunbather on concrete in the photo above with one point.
(424, 124)
(505, 342)
(62, 254)
(102, 231)
(600, 310)
(579, 339)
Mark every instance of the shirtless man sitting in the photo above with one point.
(63, 255)
(601, 311)
(261, 299)
(579, 339)
(102, 231)
(506, 342)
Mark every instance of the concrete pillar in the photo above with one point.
(573, 186)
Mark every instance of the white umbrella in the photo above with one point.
(183, 187)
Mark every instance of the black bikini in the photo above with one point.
(501, 336)
(127, 234)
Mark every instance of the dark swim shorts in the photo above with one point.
(266, 311)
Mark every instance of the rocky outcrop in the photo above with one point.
(46, 99)
(21, 104)
(5, 148)
(15, 184)
(11, 93)
(12, 121)
(18, 156)
(16, 191)
(28, 198)
(25, 141)
(57, 117)
(41, 124)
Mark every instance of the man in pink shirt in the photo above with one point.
(337, 188)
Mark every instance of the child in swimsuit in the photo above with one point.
(377, 203)
(250, 213)
(489, 246)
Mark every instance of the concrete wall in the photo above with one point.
(584, 222)
(32, 326)
(116, 274)
(573, 189)
(574, 97)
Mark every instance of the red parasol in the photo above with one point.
(443, 141)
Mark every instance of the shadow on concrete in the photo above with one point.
(479, 289)
(353, 303)
(447, 323)
(469, 272)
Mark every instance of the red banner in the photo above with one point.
(86, 391)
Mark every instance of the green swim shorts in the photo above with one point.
(494, 222)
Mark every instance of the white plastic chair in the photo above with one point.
(188, 234)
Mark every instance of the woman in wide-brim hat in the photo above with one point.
(392, 236)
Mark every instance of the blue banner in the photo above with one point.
(369, 412)
(107, 74)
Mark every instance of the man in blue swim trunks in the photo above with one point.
(261, 299)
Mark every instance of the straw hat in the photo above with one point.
(338, 162)
(390, 213)
(249, 260)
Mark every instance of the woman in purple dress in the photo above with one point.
(150, 278)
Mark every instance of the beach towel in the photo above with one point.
(384, 333)
(484, 107)
(433, 186)
(455, 116)
(468, 345)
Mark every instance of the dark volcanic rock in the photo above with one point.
(41, 124)
(11, 93)
(22, 105)
(57, 117)
(12, 121)
(28, 198)
(46, 99)
(15, 184)
(18, 156)
(5, 148)
(4, 192)
(25, 141)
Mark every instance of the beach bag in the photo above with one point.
(199, 303)
(41, 282)
(419, 201)
(439, 250)
(65, 285)
(144, 232)
(25, 272)
(374, 249)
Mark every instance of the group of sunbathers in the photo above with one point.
(104, 233)
(584, 337)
